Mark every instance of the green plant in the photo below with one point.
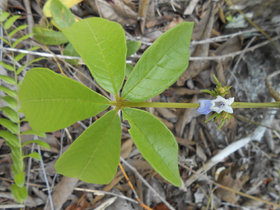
(51, 101)
(9, 85)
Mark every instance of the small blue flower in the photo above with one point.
(217, 105)
(204, 107)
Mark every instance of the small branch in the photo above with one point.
(272, 91)
(231, 55)
(100, 192)
(46, 179)
(220, 57)
(120, 104)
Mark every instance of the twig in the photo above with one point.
(220, 57)
(29, 169)
(11, 206)
(189, 9)
(30, 22)
(100, 192)
(46, 179)
(133, 190)
(146, 183)
(272, 91)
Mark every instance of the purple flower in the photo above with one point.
(217, 105)
(204, 107)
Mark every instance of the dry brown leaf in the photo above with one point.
(126, 148)
(142, 14)
(123, 10)
(62, 191)
(226, 195)
(185, 118)
(185, 142)
(200, 153)
(166, 113)
(174, 22)
(139, 164)
(116, 11)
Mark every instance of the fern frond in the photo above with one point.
(12, 121)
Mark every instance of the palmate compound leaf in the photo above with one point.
(160, 65)
(155, 142)
(51, 101)
(101, 44)
(94, 155)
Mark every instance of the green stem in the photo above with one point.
(256, 105)
(121, 104)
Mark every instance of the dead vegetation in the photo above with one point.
(220, 169)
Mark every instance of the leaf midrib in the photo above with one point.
(61, 100)
(104, 58)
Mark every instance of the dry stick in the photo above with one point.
(221, 57)
(29, 169)
(100, 192)
(238, 61)
(146, 183)
(133, 190)
(272, 91)
(30, 22)
(45, 177)
(11, 206)
(55, 59)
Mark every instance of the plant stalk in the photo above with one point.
(235, 105)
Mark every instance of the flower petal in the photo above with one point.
(228, 109)
(204, 107)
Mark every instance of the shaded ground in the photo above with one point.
(224, 44)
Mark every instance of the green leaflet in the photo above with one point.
(10, 113)
(20, 193)
(19, 40)
(8, 91)
(102, 46)
(12, 127)
(10, 21)
(35, 133)
(51, 101)
(8, 79)
(11, 139)
(155, 142)
(11, 101)
(19, 179)
(62, 16)
(48, 37)
(69, 50)
(7, 66)
(34, 155)
(160, 65)
(39, 142)
(19, 28)
(3, 16)
(94, 155)
(132, 47)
